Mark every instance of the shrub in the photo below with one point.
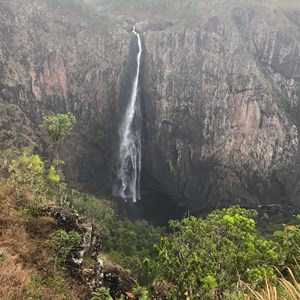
(96, 210)
(101, 294)
(26, 174)
(289, 242)
(131, 245)
(58, 126)
(62, 243)
(203, 258)
(53, 176)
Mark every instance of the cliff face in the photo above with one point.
(54, 60)
(220, 98)
(221, 108)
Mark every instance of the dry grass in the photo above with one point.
(14, 278)
(26, 271)
(284, 290)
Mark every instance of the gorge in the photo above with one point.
(219, 97)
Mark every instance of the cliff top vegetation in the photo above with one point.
(220, 257)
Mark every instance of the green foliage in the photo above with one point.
(53, 176)
(98, 211)
(26, 173)
(205, 257)
(101, 213)
(58, 126)
(141, 292)
(130, 237)
(127, 243)
(101, 294)
(61, 243)
(33, 210)
(138, 292)
(289, 242)
(131, 245)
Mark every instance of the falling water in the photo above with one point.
(129, 167)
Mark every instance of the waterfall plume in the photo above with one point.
(129, 160)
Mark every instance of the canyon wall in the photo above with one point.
(55, 60)
(221, 108)
(220, 98)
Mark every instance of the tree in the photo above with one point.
(26, 173)
(204, 258)
(58, 126)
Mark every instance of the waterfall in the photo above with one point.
(129, 165)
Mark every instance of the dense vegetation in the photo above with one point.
(202, 259)
(220, 257)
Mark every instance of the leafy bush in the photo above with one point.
(128, 243)
(101, 213)
(53, 176)
(33, 187)
(131, 245)
(101, 294)
(58, 126)
(289, 245)
(96, 210)
(204, 258)
(26, 174)
(62, 243)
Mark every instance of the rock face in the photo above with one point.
(221, 109)
(54, 60)
(90, 274)
(84, 262)
(220, 98)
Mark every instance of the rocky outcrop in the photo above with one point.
(220, 97)
(84, 262)
(118, 281)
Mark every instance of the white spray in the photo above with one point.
(129, 167)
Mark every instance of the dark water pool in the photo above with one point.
(156, 208)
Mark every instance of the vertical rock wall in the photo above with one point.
(54, 60)
(221, 102)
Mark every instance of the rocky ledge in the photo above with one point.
(85, 263)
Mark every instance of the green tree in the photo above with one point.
(26, 173)
(204, 258)
(58, 126)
